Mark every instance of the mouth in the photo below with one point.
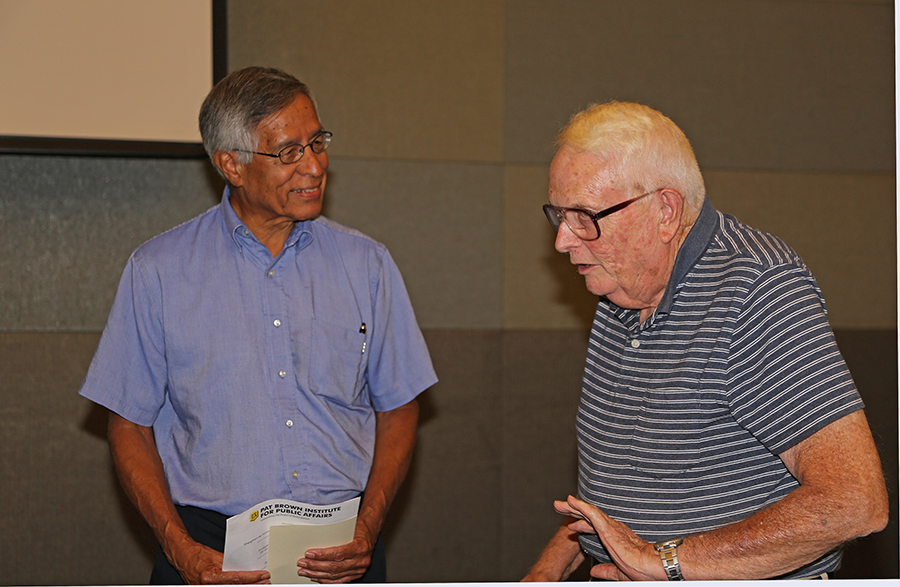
(308, 193)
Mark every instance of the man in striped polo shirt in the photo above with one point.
(720, 433)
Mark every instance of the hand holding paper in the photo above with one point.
(277, 533)
(343, 563)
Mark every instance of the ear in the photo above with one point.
(671, 212)
(230, 167)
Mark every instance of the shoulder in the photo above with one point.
(346, 238)
(751, 247)
(742, 263)
(179, 239)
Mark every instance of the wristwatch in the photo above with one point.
(668, 553)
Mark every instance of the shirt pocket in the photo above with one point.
(667, 437)
(336, 362)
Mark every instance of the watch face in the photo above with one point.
(675, 542)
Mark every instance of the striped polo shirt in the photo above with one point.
(682, 417)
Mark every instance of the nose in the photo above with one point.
(312, 163)
(565, 239)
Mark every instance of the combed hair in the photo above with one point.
(642, 148)
(232, 111)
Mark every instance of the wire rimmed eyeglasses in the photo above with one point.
(582, 223)
(293, 153)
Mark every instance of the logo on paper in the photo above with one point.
(254, 515)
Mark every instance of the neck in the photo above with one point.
(272, 233)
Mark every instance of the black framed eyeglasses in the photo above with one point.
(293, 153)
(582, 223)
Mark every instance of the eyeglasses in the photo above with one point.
(293, 153)
(582, 223)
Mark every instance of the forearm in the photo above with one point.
(560, 557)
(141, 474)
(395, 439)
(841, 496)
(835, 503)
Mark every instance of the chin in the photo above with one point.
(307, 212)
(599, 289)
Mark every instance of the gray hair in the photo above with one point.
(237, 105)
(644, 149)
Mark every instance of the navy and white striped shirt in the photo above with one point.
(682, 417)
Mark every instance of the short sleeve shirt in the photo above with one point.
(682, 417)
(260, 376)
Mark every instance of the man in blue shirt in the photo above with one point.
(260, 351)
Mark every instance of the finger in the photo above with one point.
(326, 554)
(582, 527)
(331, 577)
(609, 572)
(588, 512)
(565, 509)
(234, 577)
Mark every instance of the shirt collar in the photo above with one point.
(690, 251)
(237, 229)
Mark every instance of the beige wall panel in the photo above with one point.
(541, 289)
(541, 389)
(63, 518)
(844, 227)
(417, 79)
(769, 84)
(445, 525)
(443, 225)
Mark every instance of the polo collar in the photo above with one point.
(693, 247)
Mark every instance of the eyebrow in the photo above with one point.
(288, 143)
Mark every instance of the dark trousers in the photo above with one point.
(208, 528)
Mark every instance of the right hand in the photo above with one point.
(200, 565)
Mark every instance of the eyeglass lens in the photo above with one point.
(578, 221)
(293, 153)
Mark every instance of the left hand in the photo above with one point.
(634, 559)
(338, 564)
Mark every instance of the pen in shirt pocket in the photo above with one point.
(362, 330)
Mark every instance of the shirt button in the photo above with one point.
(289, 423)
(277, 323)
(271, 273)
(282, 373)
(635, 343)
(246, 232)
(296, 475)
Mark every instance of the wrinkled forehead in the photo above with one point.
(298, 120)
(579, 179)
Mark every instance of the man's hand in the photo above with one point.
(338, 564)
(201, 565)
(633, 558)
(395, 437)
(560, 557)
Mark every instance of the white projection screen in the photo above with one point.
(101, 72)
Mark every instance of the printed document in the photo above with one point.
(275, 534)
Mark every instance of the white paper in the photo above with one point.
(250, 545)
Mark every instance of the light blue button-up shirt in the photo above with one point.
(260, 376)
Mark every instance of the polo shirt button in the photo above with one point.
(271, 273)
(277, 323)
(635, 343)
(296, 475)
(282, 373)
(289, 423)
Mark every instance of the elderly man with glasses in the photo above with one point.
(261, 351)
(720, 434)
